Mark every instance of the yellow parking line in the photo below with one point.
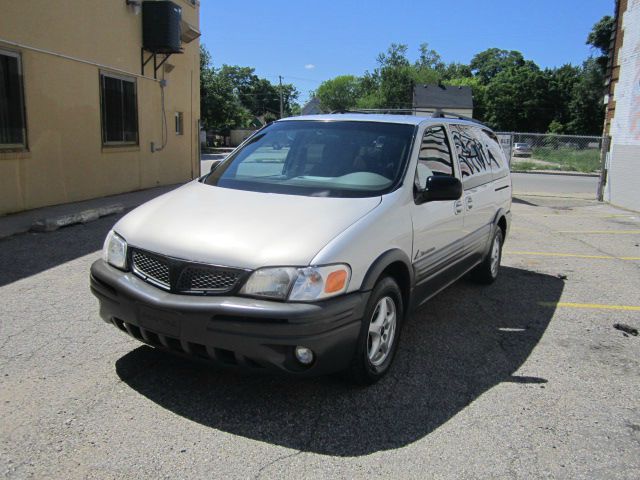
(594, 306)
(564, 215)
(570, 255)
(603, 232)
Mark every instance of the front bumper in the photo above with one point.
(231, 331)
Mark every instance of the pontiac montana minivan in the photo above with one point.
(307, 248)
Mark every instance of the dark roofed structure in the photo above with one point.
(443, 97)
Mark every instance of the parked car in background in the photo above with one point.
(312, 264)
(522, 150)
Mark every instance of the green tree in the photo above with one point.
(259, 95)
(517, 100)
(600, 35)
(340, 93)
(600, 39)
(396, 77)
(562, 82)
(232, 96)
(488, 64)
(429, 59)
(586, 106)
(219, 106)
(456, 70)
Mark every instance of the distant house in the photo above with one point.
(429, 98)
(312, 107)
(622, 124)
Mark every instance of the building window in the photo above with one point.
(119, 105)
(13, 132)
(179, 123)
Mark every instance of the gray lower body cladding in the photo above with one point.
(231, 331)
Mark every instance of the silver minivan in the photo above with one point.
(306, 249)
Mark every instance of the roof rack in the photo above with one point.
(442, 114)
(435, 113)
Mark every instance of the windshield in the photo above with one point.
(318, 158)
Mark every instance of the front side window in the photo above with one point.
(119, 110)
(314, 158)
(435, 155)
(13, 132)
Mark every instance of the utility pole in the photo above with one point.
(281, 102)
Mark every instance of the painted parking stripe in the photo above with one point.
(571, 255)
(602, 232)
(563, 215)
(590, 306)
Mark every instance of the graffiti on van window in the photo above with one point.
(435, 153)
(471, 153)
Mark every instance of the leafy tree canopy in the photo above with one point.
(340, 93)
(486, 65)
(232, 96)
(600, 35)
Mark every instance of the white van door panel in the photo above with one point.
(477, 181)
(437, 226)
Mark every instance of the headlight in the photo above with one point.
(114, 251)
(298, 284)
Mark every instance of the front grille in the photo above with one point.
(185, 277)
(151, 268)
(194, 279)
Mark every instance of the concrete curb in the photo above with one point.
(51, 224)
(575, 196)
(557, 172)
(49, 219)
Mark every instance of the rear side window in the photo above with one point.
(499, 165)
(435, 156)
(475, 163)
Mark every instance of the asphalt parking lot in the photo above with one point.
(527, 378)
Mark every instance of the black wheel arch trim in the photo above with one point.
(381, 263)
(500, 214)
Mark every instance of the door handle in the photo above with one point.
(469, 202)
(458, 207)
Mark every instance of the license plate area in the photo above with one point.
(167, 323)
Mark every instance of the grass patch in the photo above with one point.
(569, 159)
(524, 166)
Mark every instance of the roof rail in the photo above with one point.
(435, 113)
(375, 110)
(442, 114)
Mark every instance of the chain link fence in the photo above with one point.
(540, 151)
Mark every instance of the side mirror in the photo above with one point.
(440, 188)
(214, 165)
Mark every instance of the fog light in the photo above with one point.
(304, 355)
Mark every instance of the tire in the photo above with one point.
(487, 272)
(379, 335)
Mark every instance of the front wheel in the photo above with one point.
(379, 334)
(487, 271)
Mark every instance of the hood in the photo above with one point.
(238, 228)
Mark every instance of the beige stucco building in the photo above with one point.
(78, 117)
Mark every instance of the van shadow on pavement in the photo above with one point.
(462, 343)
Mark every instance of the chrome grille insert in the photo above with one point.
(203, 279)
(180, 276)
(151, 268)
